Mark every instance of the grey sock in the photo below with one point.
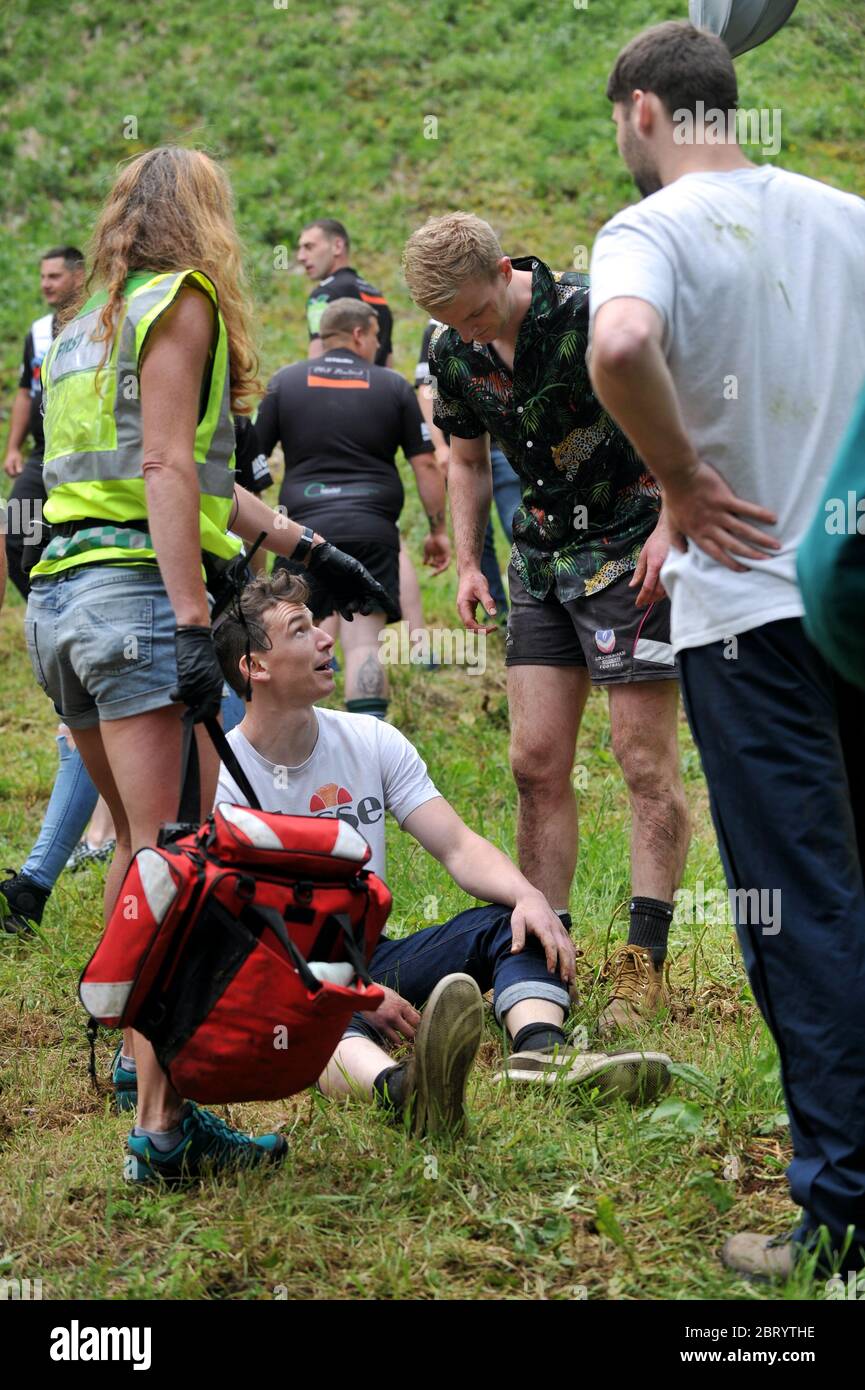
(163, 1140)
(127, 1063)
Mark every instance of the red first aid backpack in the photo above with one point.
(240, 947)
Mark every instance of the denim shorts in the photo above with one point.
(101, 642)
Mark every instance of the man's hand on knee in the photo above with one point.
(533, 916)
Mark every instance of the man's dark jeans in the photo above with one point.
(476, 943)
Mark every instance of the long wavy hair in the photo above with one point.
(172, 209)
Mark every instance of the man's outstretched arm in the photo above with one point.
(470, 489)
(431, 489)
(486, 873)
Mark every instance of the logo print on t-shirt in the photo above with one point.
(329, 797)
(334, 800)
(605, 639)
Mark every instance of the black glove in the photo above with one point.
(348, 582)
(199, 675)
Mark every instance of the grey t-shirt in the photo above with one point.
(758, 276)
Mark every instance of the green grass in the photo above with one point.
(320, 110)
(543, 1199)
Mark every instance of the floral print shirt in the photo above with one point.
(588, 501)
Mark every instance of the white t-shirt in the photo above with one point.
(759, 277)
(359, 768)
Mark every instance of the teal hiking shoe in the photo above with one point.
(208, 1146)
(125, 1083)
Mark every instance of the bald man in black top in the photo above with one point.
(340, 420)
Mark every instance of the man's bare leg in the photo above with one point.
(409, 591)
(644, 729)
(365, 676)
(101, 827)
(354, 1067)
(644, 719)
(546, 706)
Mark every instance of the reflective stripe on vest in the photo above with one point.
(93, 432)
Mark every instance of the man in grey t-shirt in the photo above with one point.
(728, 334)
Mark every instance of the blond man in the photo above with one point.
(587, 607)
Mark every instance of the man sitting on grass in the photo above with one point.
(303, 760)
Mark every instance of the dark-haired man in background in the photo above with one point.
(61, 274)
(323, 252)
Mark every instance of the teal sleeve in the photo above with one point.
(831, 560)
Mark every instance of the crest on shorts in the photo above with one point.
(605, 639)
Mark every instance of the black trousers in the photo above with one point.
(781, 742)
(24, 529)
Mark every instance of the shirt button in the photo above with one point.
(528, 444)
(534, 265)
(540, 482)
(519, 410)
(555, 552)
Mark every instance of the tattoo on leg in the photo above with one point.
(370, 677)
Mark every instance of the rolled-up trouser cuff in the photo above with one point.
(361, 1027)
(531, 989)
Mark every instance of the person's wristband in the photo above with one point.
(304, 545)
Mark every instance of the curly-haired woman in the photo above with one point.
(139, 386)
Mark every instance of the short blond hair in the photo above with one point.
(446, 252)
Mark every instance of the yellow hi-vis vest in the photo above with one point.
(93, 436)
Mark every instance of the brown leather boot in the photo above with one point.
(638, 990)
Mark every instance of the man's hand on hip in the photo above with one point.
(701, 507)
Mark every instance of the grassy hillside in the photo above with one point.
(320, 111)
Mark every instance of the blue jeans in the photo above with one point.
(73, 800)
(476, 943)
(506, 495)
(780, 742)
